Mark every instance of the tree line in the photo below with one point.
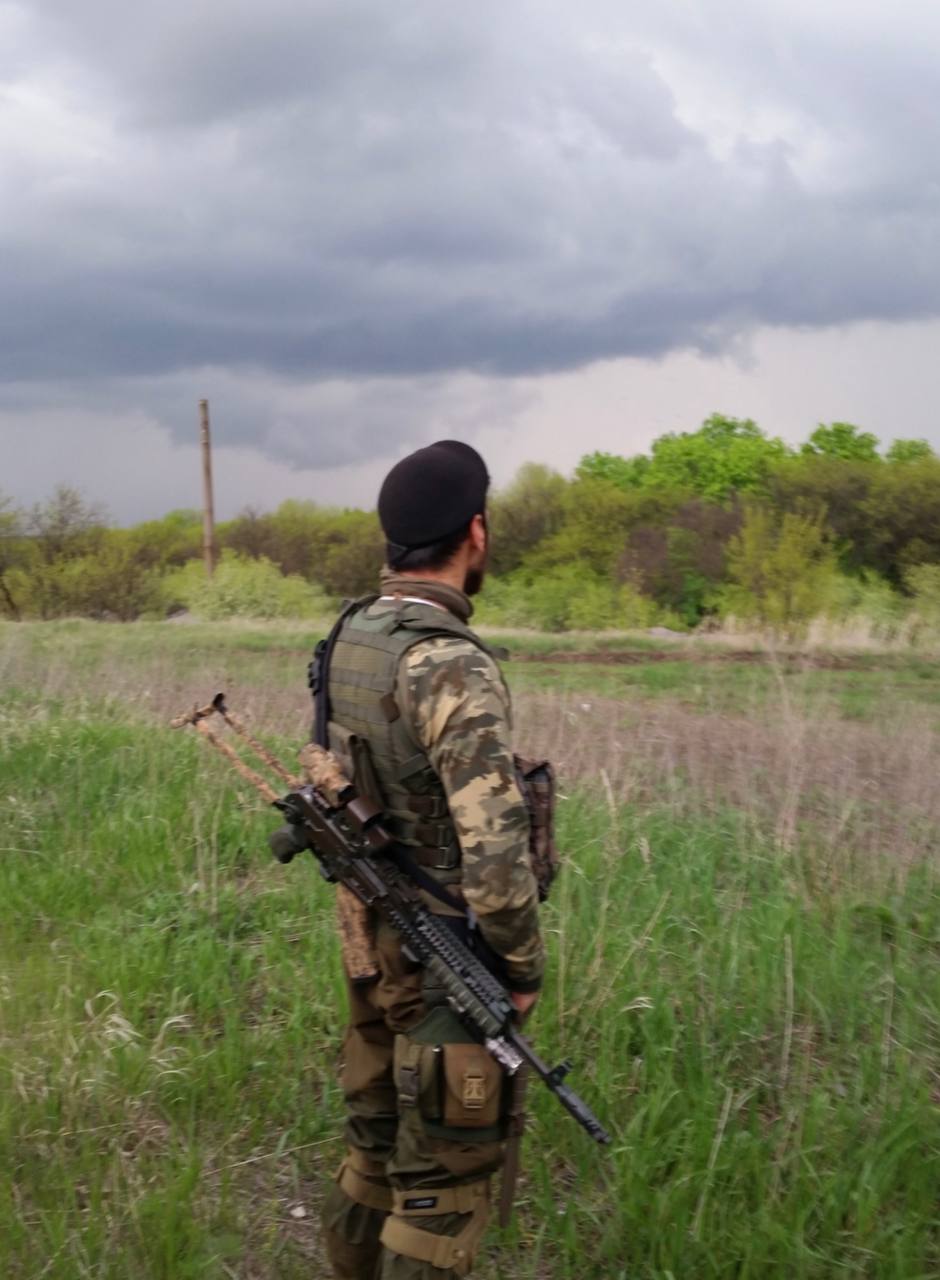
(724, 520)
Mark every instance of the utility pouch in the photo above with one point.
(417, 1074)
(472, 1087)
(536, 779)
(364, 774)
(452, 1086)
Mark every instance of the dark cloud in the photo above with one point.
(308, 191)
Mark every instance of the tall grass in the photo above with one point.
(744, 966)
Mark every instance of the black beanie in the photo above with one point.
(432, 493)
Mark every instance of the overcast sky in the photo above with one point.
(542, 227)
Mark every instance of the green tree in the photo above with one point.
(12, 553)
(108, 582)
(900, 518)
(597, 521)
(781, 569)
(294, 536)
(842, 440)
(253, 533)
(353, 555)
(625, 473)
(909, 451)
(341, 550)
(523, 515)
(60, 530)
(169, 541)
(724, 457)
(680, 561)
(65, 525)
(813, 482)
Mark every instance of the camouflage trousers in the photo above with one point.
(424, 1132)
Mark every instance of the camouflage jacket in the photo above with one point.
(457, 708)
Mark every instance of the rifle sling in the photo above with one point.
(470, 933)
(402, 858)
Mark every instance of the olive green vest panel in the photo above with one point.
(363, 678)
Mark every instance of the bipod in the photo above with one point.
(199, 718)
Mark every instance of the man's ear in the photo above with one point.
(478, 533)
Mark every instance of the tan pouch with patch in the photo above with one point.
(472, 1087)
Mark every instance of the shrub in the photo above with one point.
(242, 588)
(107, 585)
(782, 570)
(565, 598)
(872, 600)
(342, 551)
(923, 582)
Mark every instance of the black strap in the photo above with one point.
(401, 856)
(466, 926)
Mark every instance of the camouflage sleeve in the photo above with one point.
(458, 710)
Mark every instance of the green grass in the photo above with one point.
(761, 1035)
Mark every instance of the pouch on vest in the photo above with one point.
(472, 1087)
(458, 1086)
(364, 774)
(416, 1073)
(536, 779)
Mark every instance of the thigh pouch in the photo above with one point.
(402, 1232)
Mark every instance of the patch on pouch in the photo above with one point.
(474, 1090)
(423, 1202)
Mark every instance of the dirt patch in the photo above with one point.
(602, 658)
(634, 658)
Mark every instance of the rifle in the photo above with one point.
(345, 833)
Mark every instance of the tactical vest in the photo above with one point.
(368, 732)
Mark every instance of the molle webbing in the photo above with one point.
(362, 684)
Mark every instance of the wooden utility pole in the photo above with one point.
(208, 506)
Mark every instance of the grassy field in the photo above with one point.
(744, 965)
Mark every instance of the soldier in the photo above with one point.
(420, 713)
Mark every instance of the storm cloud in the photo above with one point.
(339, 207)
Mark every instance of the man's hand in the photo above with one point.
(523, 1001)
